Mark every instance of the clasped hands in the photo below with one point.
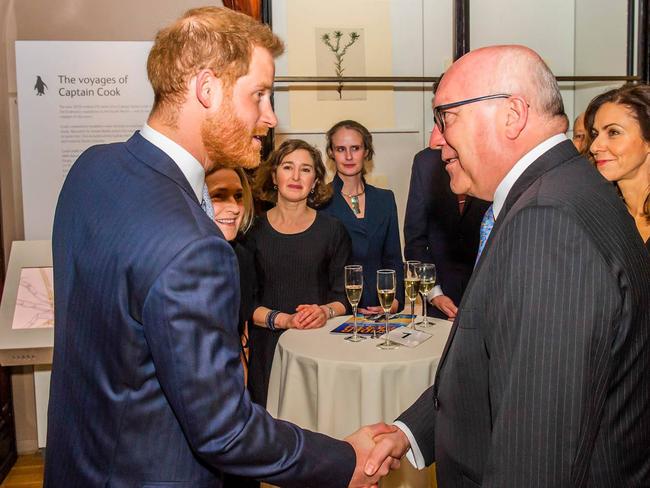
(309, 316)
(378, 448)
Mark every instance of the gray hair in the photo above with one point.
(521, 70)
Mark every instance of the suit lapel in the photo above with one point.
(555, 156)
(348, 215)
(158, 160)
(466, 205)
(374, 212)
(450, 198)
(341, 203)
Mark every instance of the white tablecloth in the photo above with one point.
(324, 383)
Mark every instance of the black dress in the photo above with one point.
(247, 283)
(293, 269)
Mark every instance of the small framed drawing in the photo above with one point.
(27, 306)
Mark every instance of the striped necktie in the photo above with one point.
(486, 227)
(206, 202)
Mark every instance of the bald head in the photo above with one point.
(494, 105)
(513, 69)
(579, 133)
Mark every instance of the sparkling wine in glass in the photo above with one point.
(386, 293)
(411, 286)
(353, 289)
(427, 274)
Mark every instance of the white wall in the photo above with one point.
(580, 37)
(600, 46)
(546, 27)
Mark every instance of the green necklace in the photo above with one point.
(354, 200)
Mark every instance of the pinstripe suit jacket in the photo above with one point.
(545, 379)
(147, 389)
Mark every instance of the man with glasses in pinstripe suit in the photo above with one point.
(544, 381)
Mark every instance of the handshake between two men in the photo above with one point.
(378, 448)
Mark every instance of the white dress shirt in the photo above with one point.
(188, 164)
(414, 455)
(518, 169)
(506, 185)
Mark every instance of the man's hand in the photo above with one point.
(371, 310)
(446, 305)
(390, 445)
(377, 309)
(363, 443)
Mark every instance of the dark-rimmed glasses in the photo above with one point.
(439, 111)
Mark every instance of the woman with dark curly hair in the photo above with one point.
(618, 122)
(300, 255)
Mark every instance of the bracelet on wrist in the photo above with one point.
(330, 312)
(270, 319)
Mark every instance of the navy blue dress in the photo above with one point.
(375, 238)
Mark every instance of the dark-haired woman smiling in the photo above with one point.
(619, 124)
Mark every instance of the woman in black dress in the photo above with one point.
(232, 201)
(300, 255)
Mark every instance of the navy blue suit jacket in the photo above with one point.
(147, 386)
(375, 241)
(434, 229)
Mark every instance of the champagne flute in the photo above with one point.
(386, 292)
(353, 289)
(427, 274)
(411, 286)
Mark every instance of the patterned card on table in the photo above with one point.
(366, 326)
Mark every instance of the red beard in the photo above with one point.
(227, 140)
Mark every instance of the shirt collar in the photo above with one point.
(188, 164)
(517, 170)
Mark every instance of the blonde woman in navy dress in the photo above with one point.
(368, 213)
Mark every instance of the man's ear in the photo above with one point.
(517, 116)
(207, 88)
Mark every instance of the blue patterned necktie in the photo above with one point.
(486, 227)
(206, 202)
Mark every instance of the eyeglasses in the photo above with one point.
(439, 111)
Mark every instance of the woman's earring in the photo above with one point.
(275, 187)
(312, 191)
